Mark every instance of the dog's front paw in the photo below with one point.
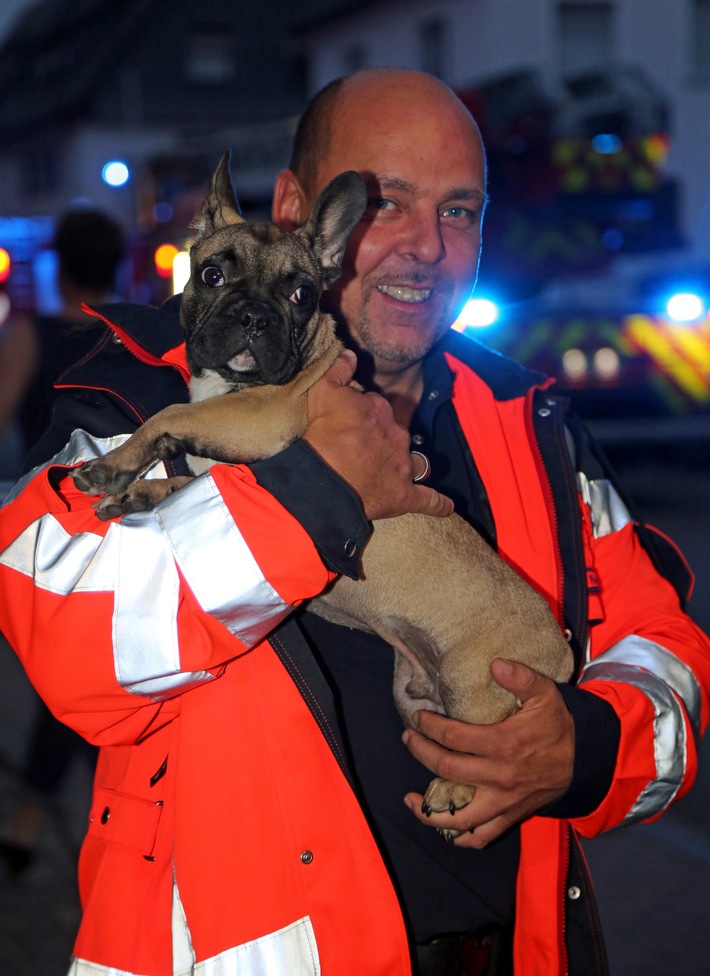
(122, 503)
(100, 477)
(142, 496)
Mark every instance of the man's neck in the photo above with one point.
(403, 389)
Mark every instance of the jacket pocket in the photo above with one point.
(128, 821)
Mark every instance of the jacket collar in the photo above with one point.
(506, 378)
(154, 335)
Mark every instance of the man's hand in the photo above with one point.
(518, 766)
(357, 436)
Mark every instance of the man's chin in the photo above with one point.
(389, 357)
(402, 343)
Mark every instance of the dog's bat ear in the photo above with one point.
(221, 207)
(339, 207)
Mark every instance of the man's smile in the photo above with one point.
(405, 294)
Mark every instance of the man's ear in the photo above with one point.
(289, 209)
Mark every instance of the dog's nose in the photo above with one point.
(253, 317)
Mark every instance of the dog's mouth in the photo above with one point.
(257, 367)
(243, 362)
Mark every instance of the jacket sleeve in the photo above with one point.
(114, 621)
(647, 660)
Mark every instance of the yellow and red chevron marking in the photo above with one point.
(637, 165)
(681, 351)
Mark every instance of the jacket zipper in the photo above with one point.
(549, 501)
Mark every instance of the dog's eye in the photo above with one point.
(212, 276)
(302, 295)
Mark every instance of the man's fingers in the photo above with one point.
(342, 370)
(428, 501)
(420, 466)
(357, 435)
(521, 680)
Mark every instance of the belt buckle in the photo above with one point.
(456, 955)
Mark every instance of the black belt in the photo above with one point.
(486, 954)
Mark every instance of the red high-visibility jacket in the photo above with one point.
(224, 835)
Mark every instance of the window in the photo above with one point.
(432, 44)
(585, 35)
(353, 58)
(40, 168)
(700, 39)
(210, 59)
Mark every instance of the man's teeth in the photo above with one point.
(405, 294)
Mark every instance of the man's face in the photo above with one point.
(412, 261)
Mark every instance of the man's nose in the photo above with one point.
(422, 240)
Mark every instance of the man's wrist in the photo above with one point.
(327, 508)
(597, 732)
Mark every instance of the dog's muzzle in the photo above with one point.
(246, 340)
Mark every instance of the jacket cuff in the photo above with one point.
(597, 733)
(327, 508)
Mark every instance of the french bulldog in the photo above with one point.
(255, 343)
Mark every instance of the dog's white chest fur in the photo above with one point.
(209, 384)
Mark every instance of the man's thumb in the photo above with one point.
(343, 368)
(514, 677)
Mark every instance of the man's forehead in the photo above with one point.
(464, 191)
(426, 142)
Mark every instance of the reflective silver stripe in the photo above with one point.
(138, 567)
(183, 953)
(291, 951)
(670, 746)
(136, 561)
(608, 512)
(661, 662)
(146, 651)
(215, 559)
(82, 967)
(59, 562)
(81, 447)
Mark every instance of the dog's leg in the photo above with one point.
(160, 437)
(241, 426)
(225, 428)
(449, 605)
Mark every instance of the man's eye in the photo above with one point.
(459, 213)
(212, 276)
(380, 203)
(302, 295)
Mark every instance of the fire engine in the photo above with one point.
(585, 274)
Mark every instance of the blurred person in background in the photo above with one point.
(90, 247)
(18, 356)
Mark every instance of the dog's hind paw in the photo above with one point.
(442, 795)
